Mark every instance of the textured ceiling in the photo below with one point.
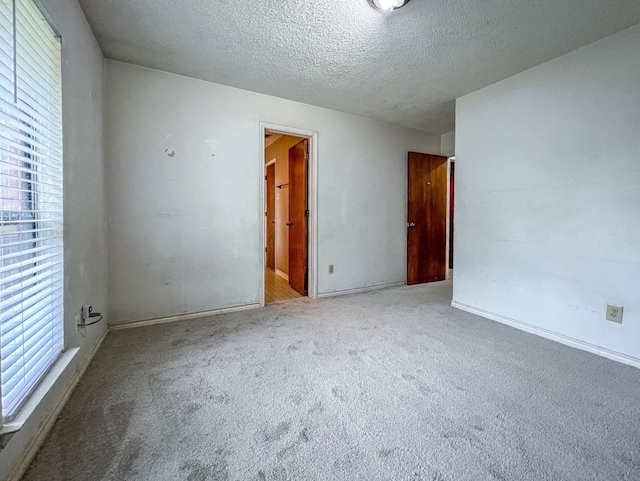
(405, 67)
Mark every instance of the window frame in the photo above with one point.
(34, 196)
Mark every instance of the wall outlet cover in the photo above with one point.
(614, 313)
(330, 268)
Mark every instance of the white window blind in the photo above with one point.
(31, 256)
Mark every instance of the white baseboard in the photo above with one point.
(554, 336)
(45, 427)
(181, 317)
(360, 289)
(283, 275)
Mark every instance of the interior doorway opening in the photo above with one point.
(286, 202)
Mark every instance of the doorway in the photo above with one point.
(427, 249)
(287, 215)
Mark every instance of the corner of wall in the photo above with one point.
(448, 144)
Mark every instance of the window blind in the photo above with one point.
(31, 256)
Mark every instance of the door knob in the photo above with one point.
(273, 221)
(411, 224)
(289, 223)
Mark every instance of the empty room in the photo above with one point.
(330, 240)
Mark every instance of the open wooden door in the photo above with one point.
(427, 220)
(270, 213)
(298, 216)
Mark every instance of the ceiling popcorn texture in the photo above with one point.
(405, 67)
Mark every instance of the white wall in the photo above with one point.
(183, 230)
(448, 144)
(548, 195)
(85, 228)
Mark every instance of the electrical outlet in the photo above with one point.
(330, 268)
(78, 323)
(614, 313)
(86, 312)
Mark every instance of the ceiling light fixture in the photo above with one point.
(388, 5)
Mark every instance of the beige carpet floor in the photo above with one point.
(386, 385)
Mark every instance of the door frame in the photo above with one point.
(449, 272)
(312, 196)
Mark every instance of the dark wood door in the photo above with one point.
(427, 218)
(271, 215)
(298, 217)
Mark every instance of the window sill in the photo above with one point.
(10, 428)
